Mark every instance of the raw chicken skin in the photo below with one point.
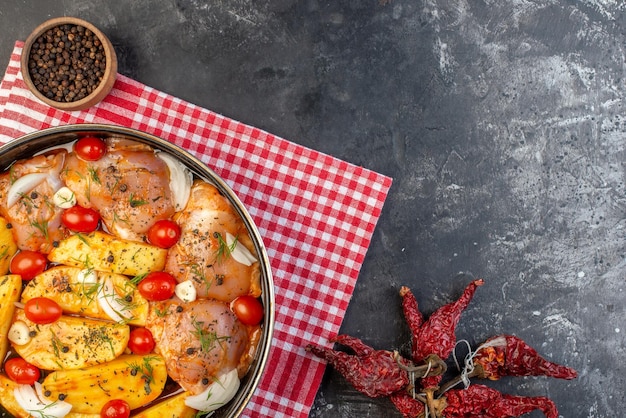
(35, 220)
(202, 255)
(199, 340)
(129, 186)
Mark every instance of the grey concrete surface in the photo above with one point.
(501, 123)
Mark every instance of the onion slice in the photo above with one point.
(109, 301)
(35, 403)
(181, 180)
(217, 394)
(238, 251)
(24, 185)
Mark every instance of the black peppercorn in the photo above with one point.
(62, 50)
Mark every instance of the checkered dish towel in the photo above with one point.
(316, 214)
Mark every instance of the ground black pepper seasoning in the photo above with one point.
(67, 63)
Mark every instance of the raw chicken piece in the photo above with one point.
(202, 253)
(35, 220)
(129, 186)
(200, 340)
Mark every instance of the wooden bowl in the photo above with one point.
(105, 83)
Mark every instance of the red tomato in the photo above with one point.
(21, 371)
(141, 341)
(248, 309)
(116, 408)
(80, 219)
(42, 310)
(157, 286)
(28, 264)
(90, 148)
(164, 233)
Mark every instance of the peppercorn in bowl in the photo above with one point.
(68, 64)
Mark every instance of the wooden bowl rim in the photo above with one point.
(110, 71)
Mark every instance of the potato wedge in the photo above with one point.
(72, 342)
(8, 247)
(136, 379)
(64, 285)
(78, 415)
(10, 288)
(101, 251)
(7, 399)
(173, 407)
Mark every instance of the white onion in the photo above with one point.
(64, 198)
(35, 403)
(239, 251)
(181, 180)
(19, 333)
(87, 276)
(186, 291)
(24, 185)
(108, 301)
(217, 394)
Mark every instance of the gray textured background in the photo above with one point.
(501, 122)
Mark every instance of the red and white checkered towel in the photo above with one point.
(316, 214)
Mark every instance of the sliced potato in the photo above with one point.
(8, 247)
(7, 399)
(72, 342)
(10, 288)
(136, 379)
(64, 285)
(173, 407)
(101, 251)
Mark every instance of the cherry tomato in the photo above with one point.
(248, 309)
(157, 286)
(80, 219)
(116, 408)
(21, 371)
(141, 341)
(164, 233)
(28, 264)
(42, 310)
(90, 148)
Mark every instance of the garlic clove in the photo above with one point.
(64, 198)
(19, 333)
(186, 291)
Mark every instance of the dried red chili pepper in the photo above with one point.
(373, 372)
(482, 401)
(437, 336)
(507, 355)
(412, 314)
(406, 404)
